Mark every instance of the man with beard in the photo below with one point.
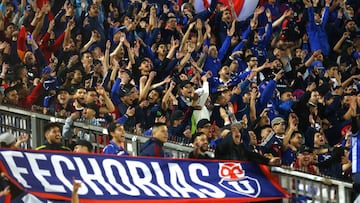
(79, 99)
(224, 79)
(52, 132)
(201, 145)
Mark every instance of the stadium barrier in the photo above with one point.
(303, 187)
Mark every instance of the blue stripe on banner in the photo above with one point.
(109, 178)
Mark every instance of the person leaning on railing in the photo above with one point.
(52, 132)
(117, 134)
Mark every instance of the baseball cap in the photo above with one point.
(202, 123)
(356, 55)
(7, 138)
(317, 64)
(277, 120)
(305, 149)
(62, 88)
(119, 29)
(126, 90)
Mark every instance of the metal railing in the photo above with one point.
(19, 121)
(303, 187)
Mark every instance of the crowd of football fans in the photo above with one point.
(281, 87)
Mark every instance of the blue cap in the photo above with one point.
(93, 46)
(356, 55)
(119, 29)
(51, 84)
(317, 64)
(46, 69)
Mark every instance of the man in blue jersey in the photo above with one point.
(117, 135)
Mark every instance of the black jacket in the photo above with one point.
(48, 146)
(228, 150)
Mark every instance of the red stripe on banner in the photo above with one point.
(50, 196)
(271, 178)
(3, 169)
(223, 200)
(38, 194)
(238, 4)
(206, 3)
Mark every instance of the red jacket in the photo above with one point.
(29, 100)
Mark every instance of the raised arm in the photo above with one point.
(337, 47)
(95, 37)
(144, 90)
(325, 16)
(109, 106)
(186, 36)
(200, 36)
(69, 27)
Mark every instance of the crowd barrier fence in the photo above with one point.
(303, 187)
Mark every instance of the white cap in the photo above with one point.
(7, 138)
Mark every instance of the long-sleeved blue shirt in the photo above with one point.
(214, 64)
(317, 35)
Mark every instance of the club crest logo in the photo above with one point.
(233, 179)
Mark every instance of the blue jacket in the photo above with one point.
(266, 95)
(214, 64)
(260, 50)
(317, 35)
(113, 148)
(152, 147)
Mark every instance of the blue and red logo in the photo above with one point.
(233, 179)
